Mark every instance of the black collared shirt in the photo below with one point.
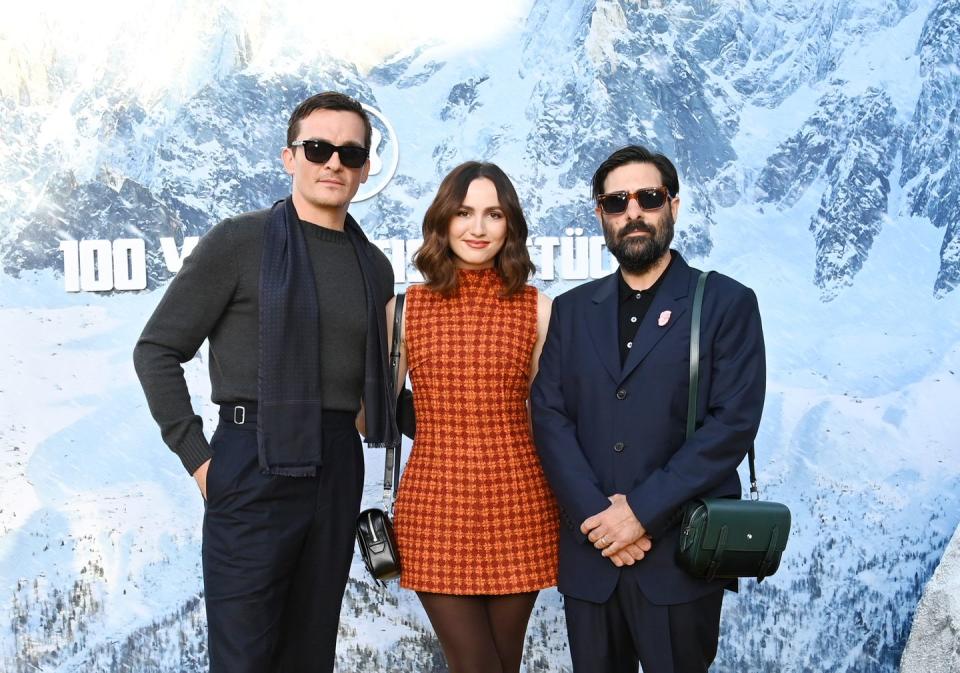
(633, 307)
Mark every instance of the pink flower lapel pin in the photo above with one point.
(664, 318)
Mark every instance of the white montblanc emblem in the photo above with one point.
(384, 155)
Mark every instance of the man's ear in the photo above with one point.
(288, 159)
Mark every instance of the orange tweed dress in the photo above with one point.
(474, 513)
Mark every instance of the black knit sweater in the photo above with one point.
(215, 296)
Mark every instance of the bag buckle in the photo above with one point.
(239, 415)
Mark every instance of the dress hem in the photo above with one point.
(538, 587)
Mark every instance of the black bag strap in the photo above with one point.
(695, 377)
(391, 467)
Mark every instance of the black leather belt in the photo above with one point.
(246, 414)
(239, 414)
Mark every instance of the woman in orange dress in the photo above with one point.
(475, 519)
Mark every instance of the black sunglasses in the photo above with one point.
(320, 151)
(651, 198)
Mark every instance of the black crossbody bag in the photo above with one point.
(725, 538)
(375, 536)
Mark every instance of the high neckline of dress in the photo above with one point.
(471, 277)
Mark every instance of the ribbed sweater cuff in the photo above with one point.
(194, 452)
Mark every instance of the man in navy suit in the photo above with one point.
(609, 413)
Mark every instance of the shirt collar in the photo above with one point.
(627, 293)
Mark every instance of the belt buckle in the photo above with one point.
(239, 415)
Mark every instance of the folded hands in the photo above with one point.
(617, 533)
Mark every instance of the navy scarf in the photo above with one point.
(289, 416)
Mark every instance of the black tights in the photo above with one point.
(480, 634)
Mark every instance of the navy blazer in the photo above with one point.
(602, 429)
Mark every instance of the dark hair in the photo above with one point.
(434, 259)
(637, 154)
(328, 100)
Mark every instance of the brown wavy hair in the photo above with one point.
(434, 259)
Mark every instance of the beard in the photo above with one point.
(640, 254)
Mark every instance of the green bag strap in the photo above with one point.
(769, 556)
(717, 555)
(695, 377)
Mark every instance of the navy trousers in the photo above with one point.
(628, 631)
(277, 552)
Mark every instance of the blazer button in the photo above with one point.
(621, 394)
(618, 447)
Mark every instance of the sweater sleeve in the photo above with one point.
(187, 313)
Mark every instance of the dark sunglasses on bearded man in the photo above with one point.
(652, 198)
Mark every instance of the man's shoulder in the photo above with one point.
(724, 294)
(722, 286)
(240, 229)
(381, 261)
(383, 265)
(380, 258)
(251, 218)
(582, 292)
(248, 224)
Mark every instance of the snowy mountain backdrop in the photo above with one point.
(817, 142)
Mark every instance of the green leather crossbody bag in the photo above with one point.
(725, 538)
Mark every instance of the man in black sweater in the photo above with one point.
(292, 301)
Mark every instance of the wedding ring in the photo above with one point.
(603, 540)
